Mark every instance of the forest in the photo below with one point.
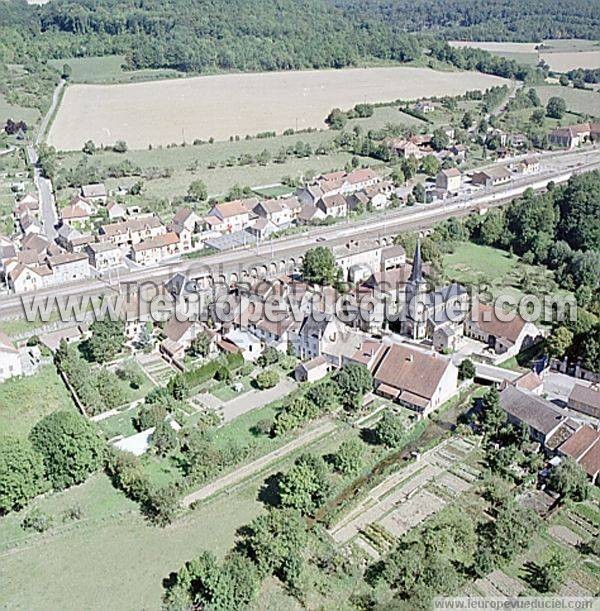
(249, 35)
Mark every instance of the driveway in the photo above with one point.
(254, 399)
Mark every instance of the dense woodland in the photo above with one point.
(290, 34)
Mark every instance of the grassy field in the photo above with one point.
(497, 269)
(224, 105)
(17, 113)
(25, 400)
(108, 69)
(578, 100)
(560, 55)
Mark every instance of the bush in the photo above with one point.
(267, 379)
(36, 520)
(390, 430)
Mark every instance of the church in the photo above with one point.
(432, 314)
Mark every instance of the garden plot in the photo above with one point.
(403, 495)
(572, 588)
(565, 535)
(156, 368)
(499, 584)
(456, 485)
(412, 512)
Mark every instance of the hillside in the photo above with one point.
(252, 35)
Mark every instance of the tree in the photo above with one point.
(21, 473)
(319, 266)
(267, 379)
(559, 342)
(419, 193)
(107, 340)
(269, 356)
(556, 107)
(467, 120)
(538, 117)
(178, 387)
(66, 72)
(389, 430)
(305, 486)
(439, 139)
(354, 381)
(70, 447)
(275, 540)
(569, 480)
(164, 438)
(336, 119)
(466, 370)
(430, 165)
(197, 191)
(492, 417)
(200, 345)
(564, 80)
(551, 574)
(89, 148)
(120, 146)
(161, 504)
(349, 459)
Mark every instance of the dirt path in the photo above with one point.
(239, 475)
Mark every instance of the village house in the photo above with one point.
(506, 337)
(572, 136)
(491, 177)
(312, 370)
(94, 193)
(585, 399)
(78, 212)
(69, 267)
(545, 422)
(309, 214)
(28, 204)
(361, 257)
(184, 225)
(529, 165)
(392, 256)
(72, 239)
(276, 212)
(403, 148)
(132, 231)
(10, 359)
(274, 333)
(233, 216)
(334, 206)
(182, 332)
(262, 228)
(449, 180)
(155, 249)
(116, 211)
(584, 448)
(29, 225)
(248, 345)
(104, 255)
(424, 106)
(418, 380)
(315, 335)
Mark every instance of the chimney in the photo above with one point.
(410, 358)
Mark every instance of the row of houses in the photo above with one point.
(558, 433)
(572, 136)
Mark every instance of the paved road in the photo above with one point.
(230, 480)
(558, 168)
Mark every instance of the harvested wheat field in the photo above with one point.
(560, 55)
(220, 106)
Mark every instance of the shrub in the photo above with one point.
(267, 379)
(37, 520)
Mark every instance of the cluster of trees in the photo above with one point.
(62, 450)
(346, 389)
(584, 75)
(469, 58)
(272, 544)
(319, 267)
(87, 171)
(98, 390)
(337, 118)
(13, 127)
(515, 20)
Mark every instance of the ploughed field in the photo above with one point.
(560, 55)
(220, 106)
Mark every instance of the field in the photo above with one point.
(560, 55)
(25, 400)
(224, 105)
(108, 69)
(499, 270)
(578, 100)
(20, 113)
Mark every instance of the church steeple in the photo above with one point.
(416, 275)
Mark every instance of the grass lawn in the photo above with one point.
(578, 100)
(225, 392)
(107, 69)
(113, 562)
(17, 113)
(16, 327)
(25, 400)
(119, 424)
(499, 271)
